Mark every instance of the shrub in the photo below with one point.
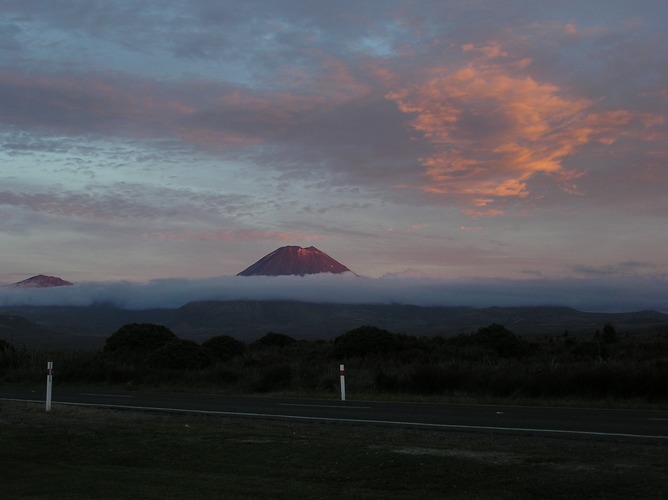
(275, 339)
(5, 346)
(179, 355)
(8, 356)
(224, 347)
(609, 334)
(222, 375)
(364, 341)
(430, 379)
(494, 339)
(273, 378)
(133, 342)
(386, 382)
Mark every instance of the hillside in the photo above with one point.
(249, 320)
(19, 332)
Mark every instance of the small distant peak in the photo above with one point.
(41, 281)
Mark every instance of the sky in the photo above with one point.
(512, 145)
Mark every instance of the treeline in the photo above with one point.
(490, 362)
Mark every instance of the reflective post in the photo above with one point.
(343, 382)
(49, 384)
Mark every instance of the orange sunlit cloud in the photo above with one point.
(494, 128)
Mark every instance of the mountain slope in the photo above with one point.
(40, 281)
(294, 260)
(19, 331)
(248, 320)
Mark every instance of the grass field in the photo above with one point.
(75, 452)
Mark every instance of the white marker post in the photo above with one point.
(49, 384)
(342, 374)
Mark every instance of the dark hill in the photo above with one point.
(20, 332)
(252, 319)
(71, 326)
(248, 320)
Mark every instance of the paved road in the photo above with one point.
(538, 421)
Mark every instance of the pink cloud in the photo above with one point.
(490, 51)
(494, 128)
(570, 29)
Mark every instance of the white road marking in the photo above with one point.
(355, 420)
(325, 406)
(105, 395)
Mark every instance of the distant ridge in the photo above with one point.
(40, 281)
(248, 320)
(294, 260)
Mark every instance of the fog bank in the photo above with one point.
(613, 294)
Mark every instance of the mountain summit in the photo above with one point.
(41, 281)
(294, 260)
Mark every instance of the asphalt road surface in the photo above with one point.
(579, 423)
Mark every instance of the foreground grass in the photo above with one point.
(93, 453)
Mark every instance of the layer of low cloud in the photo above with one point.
(604, 294)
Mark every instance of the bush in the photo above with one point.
(133, 342)
(179, 355)
(5, 346)
(273, 378)
(431, 379)
(275, 340)
(224, 347)
(494, 339)
(364, 341)
(484, 364)
(387, 382)
(609, 334)
(222, 375)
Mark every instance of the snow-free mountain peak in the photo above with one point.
(41, 281)
(295, 260)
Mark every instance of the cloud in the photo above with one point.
(323, 117)
(234, 235)
(148, 131)
(628, 268)
(495, 128)
(125, 201)
(604, 294)
(76, 205)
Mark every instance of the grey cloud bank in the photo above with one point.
(609, 294)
